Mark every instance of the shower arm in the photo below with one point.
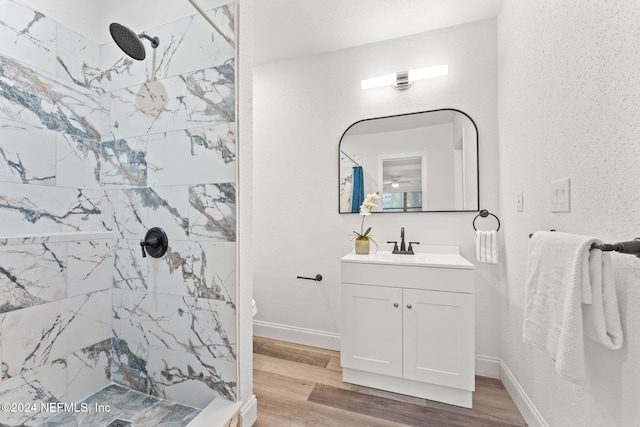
(213, 24)
(154, 40)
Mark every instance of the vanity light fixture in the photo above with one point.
(404, 79)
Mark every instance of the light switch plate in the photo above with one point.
(561, 195)
(520, 201)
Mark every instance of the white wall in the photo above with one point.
(301, 108)
(569, 85)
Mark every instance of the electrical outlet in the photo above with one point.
(520, 201)
(561, 195)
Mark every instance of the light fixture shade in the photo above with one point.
(428, 72)
(386, 80)
(404, 79)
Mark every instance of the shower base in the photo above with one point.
(123, 405)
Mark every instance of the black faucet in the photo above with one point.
(403, 249)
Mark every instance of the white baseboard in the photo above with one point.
(487, 366)
(310, 337)
(529, 412)
(249, 412)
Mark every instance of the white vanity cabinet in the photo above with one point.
(408, 325)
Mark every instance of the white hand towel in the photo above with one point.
(565, 279)
(487, 246)
(601, 316)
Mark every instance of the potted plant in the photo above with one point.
(363, 239)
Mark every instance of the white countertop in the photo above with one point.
(439, 257)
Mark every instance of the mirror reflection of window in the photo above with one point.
(402, 178)
(402, 201)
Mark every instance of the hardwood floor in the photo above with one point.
(300, 386)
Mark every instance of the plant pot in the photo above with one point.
(362, 246)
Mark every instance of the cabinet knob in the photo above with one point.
(395, 304)
(409, 306)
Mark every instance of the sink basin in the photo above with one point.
(451, 259)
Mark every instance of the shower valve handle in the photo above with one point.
(152, 242)
(155, 243)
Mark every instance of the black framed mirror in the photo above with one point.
(417, 162)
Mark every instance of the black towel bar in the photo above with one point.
(629, 247)
(318, 278)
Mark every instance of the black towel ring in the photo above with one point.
(485, 213)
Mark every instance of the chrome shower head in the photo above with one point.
(130, 42)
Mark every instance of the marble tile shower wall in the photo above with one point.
(55, 289)
(91, 140)
(171, 163)
(50, 120)
(55, 320)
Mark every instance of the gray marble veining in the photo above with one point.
(46, 384)
(213, 211)
(40, 209)
(211, 95)
(220, 139)
(32, 275)
(138, 209)
(124, 163)
(29, 96)
(206, 270)
(27, 35)
(77, 162)
(45, 332)
(78, 59)
(88, 369)
(129, 268)
(27, 154)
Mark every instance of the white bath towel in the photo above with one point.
(487, 246)
(570, 291)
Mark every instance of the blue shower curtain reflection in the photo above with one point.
(358, 189)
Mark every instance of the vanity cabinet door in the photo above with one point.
(372, 329)
(439, 344)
